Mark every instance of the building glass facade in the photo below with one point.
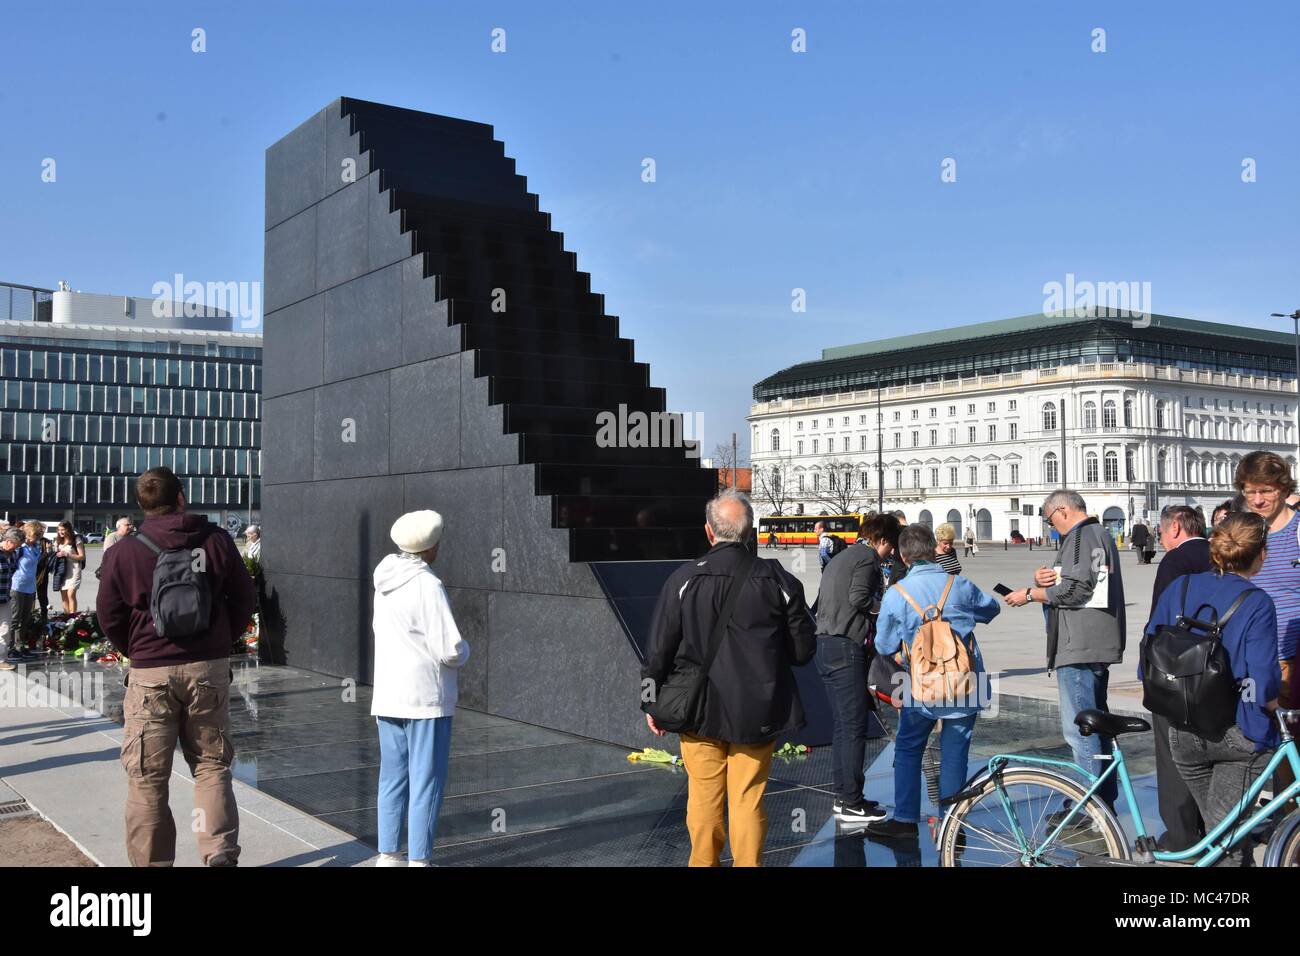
(82, 414)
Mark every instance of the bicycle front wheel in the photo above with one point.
(1008, 825)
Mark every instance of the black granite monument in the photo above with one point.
(429, 343)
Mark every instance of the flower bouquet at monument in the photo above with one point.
(246, 643)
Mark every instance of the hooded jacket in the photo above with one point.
(418, 647)
(126, 584)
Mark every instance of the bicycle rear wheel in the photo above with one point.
(981, 830)
(1290, 853)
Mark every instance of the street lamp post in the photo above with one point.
(880, 453)
(1295, 317)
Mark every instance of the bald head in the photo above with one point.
(729, 517)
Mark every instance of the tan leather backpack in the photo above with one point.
(939, 662)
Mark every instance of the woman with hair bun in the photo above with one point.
(1218, 771)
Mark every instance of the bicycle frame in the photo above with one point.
(1209, 845)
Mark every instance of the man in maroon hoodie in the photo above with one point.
(176, 689)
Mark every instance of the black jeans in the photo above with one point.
(843, 666)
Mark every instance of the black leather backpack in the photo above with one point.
(1186, 675)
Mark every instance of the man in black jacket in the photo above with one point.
(847, 603)
(1182, 532)
(1142, 543)
(751, 697)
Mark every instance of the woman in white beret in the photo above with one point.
(418, 650)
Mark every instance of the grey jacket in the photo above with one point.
(1077, 634)
(850, 587)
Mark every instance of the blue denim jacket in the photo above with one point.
(24, 577)
(966, 606)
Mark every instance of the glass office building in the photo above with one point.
(84, 408)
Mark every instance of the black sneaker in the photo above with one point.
(1080, 821)
(862, 811)
(892, 829)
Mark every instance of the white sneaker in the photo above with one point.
(389, 859)
(419, 863)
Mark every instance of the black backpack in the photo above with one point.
(181, 600)
(1186, 675)
(837, 545)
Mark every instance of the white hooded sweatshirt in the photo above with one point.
(417, 645)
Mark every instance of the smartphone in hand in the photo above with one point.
(1001, 589)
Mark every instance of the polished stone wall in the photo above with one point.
(388, 383)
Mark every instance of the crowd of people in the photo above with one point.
(885, 600)
(29, 562)
(730, 628)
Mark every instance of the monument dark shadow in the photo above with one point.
(429, 343)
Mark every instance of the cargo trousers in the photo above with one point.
(189, 703)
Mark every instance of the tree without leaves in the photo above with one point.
(772, 485)
(836, 490)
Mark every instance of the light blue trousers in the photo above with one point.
(413, 756)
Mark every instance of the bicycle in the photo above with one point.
(1015, 811)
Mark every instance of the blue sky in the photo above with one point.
(775, 170)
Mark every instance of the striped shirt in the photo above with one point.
(1282, 583)
(948, 561)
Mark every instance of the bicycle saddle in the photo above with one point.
(1092, 722)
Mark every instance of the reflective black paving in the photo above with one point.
(520, 795)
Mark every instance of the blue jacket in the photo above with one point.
(1250, 640)
(966, 606)
(24, 580)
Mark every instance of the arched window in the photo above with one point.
(954, 519)
(1112, 467)
(776, 482)
(1049, 417)
(776, 440)
(1128, 413)
(1090, 467)
(1160, 413)
(1089, 414)
(925, 518)
(1108, 412)
(1049, 468)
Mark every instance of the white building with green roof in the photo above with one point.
(975, 425)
